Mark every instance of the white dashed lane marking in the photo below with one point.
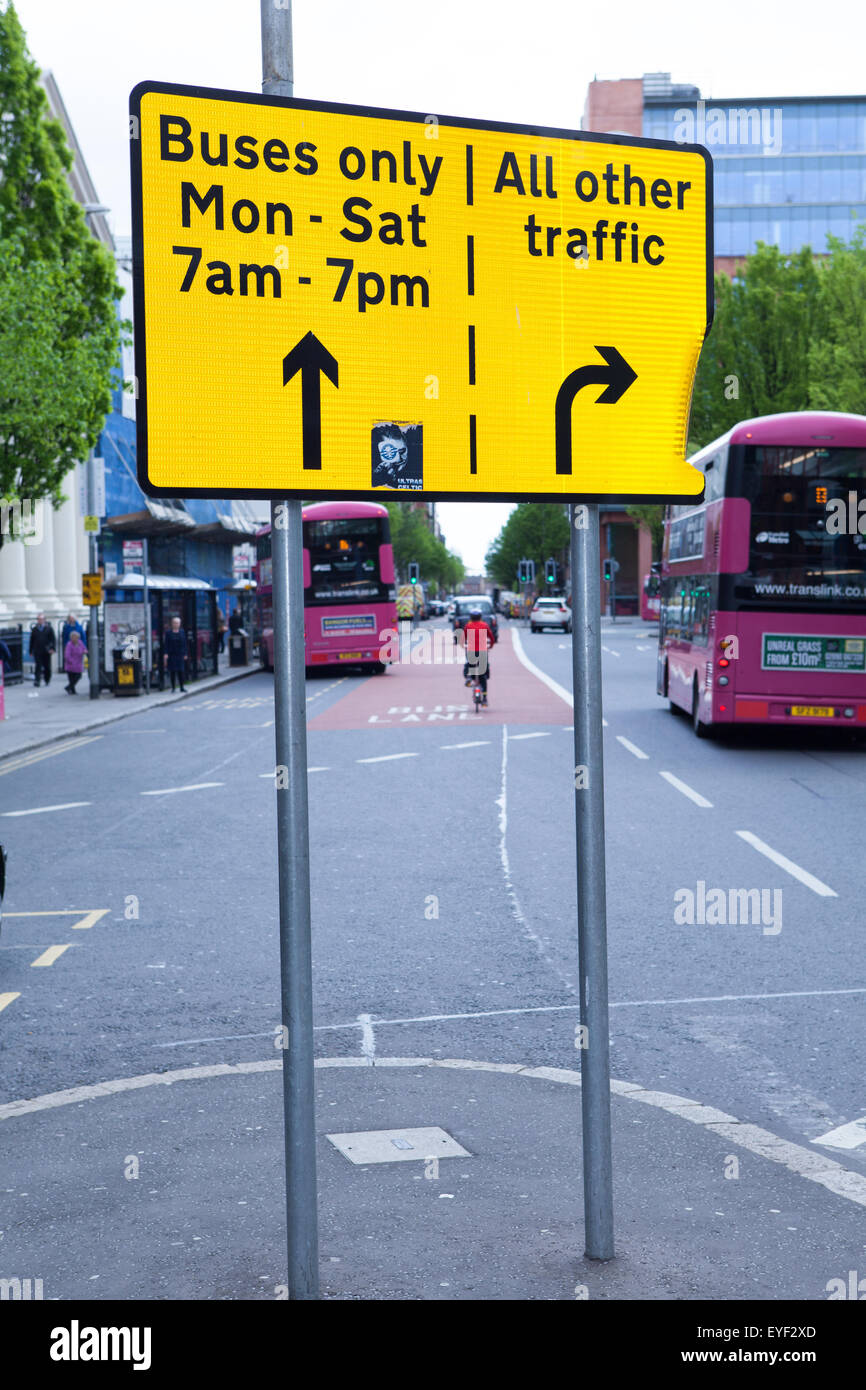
(788, 865)
(194, 787)
(850, 1136)
(632, 747)
(41, 810)
(686, 789)
(387, 758)
(512, 738)
(476, 743)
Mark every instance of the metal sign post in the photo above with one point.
(293, 830)
(591, 900)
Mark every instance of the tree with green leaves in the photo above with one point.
(755, 360)
(533, 531)
(412, 539)
(651, 516)
(837, 352)
(59, 330)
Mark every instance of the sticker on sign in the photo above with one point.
(378, 302)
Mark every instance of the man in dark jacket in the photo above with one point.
(174, 652)
(42, 649)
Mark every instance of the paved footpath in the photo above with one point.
(185, 1169)
(35, 718)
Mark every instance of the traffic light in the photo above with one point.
(608, 571)
(526, 571)
(550, 569)
(413, 572)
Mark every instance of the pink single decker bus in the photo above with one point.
(349, 588)
(763, 595)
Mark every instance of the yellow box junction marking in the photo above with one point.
(89, 916)
(7, 999)
(379, 302)
(49, 956)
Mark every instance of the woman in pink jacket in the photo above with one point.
(73, 660)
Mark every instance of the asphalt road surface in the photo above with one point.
(140, 924)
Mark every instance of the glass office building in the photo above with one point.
(786, 170)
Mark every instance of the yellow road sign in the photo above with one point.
(91, 523)
(341, 301)
(91, 590)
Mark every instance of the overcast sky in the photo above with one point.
(493, 59)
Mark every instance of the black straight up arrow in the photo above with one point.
(312, 360)
(617, 376)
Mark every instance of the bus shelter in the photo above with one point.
(169, 596)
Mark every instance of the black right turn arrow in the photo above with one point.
(616, 377)
(312, 360)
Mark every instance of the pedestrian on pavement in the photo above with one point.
(222, 629)
(174, 648)
(71, 625)
(5, 657)
(74, 656)
(42, 648)
(236, 621)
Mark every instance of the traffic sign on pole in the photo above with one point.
(358, 294)
(91, 590)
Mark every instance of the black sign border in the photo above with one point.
(343, 109)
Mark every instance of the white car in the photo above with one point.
(550, 612)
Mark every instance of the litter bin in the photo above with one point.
(127, 673)
(239, 648)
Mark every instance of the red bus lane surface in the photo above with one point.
(432, 694)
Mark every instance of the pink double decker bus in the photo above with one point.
(349, 588)
(763, 592)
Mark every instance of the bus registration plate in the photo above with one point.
(350, 656)
(813, 711)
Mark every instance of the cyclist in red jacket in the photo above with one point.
(479, 638)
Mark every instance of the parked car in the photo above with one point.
(550, 612)
(463, 607)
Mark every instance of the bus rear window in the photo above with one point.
(344, 558)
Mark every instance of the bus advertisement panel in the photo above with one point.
(763, 593)
(349, 594)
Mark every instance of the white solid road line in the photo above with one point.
(50, 956)
(788, 865)
(195, 787)
(536, 1009)
(272, 775)
(40, 810)
(761, 1142)
(632, 747)
(386, 758)
(512, 738)
(536, 670)
(849, 1136)
(476, 743)
(685, 789)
